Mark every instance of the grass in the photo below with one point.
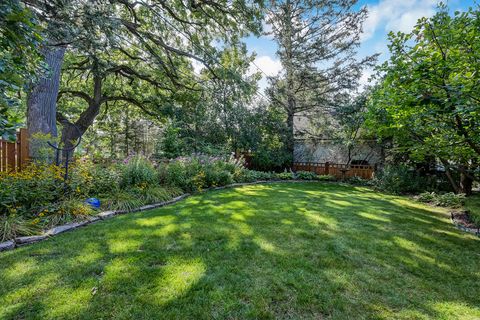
(276, 251)
(472, 204)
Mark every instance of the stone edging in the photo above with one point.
(475, 231)
(22, 241)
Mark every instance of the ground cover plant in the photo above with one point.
(275, 251)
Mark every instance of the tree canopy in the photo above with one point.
(428, 98)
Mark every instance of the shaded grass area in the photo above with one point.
(276, 251)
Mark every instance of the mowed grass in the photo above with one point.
(274, 251)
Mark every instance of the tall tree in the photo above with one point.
(65, 23)
(428, 97)
(163, 34)
(317, 42)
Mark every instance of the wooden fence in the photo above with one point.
(14, 155)
(336, 169)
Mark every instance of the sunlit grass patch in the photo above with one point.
(276, 251)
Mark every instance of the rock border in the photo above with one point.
(456, 223)
(26, 240)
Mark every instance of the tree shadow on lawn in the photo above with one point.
(267, 251)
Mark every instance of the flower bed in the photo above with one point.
(37, 199)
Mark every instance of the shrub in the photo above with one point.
(252, 176)
(30, 190)
(89, 179)
(427, 197)
(399, 179)
(137, 171)
(448, 199)
(327, 177)
(358, 181)
(285, 175)
(306, 175)
(199, 172)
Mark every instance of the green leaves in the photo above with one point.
(430, 88)
(19, 60)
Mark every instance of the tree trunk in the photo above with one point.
(448, 173)
(466, 181)
(42, 98)
(72, 132)
(290, 136)
(127, 132)
(289, 82)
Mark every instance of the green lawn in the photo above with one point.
(275, 251)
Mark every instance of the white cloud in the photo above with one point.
(197, 66)
(268, 65)
(395, 15)
(364, 79)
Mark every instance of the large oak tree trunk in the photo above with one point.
(42, 98)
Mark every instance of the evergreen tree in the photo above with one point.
(317, 42)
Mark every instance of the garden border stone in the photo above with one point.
(22, 241)
(7, 245)
(30, 239)
(456, 223)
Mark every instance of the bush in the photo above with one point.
(427, 197)
(252, 176)
(448, 199)
(137, 171)
(306, 175)
(29, 191)
(285, 175)
(358, 181)
(327, 177)
(36, 197)
(399, 180)
(199, 172)
(89, 179)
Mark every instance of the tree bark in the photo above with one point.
(72, 132)
(466, 181)
(290, 136)
(42, 98)
(448, 173)
(290, 139)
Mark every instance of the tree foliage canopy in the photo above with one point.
(429, 94)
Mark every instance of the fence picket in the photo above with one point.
(336, 169)
(14, 155)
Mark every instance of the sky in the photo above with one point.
(384, 16)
